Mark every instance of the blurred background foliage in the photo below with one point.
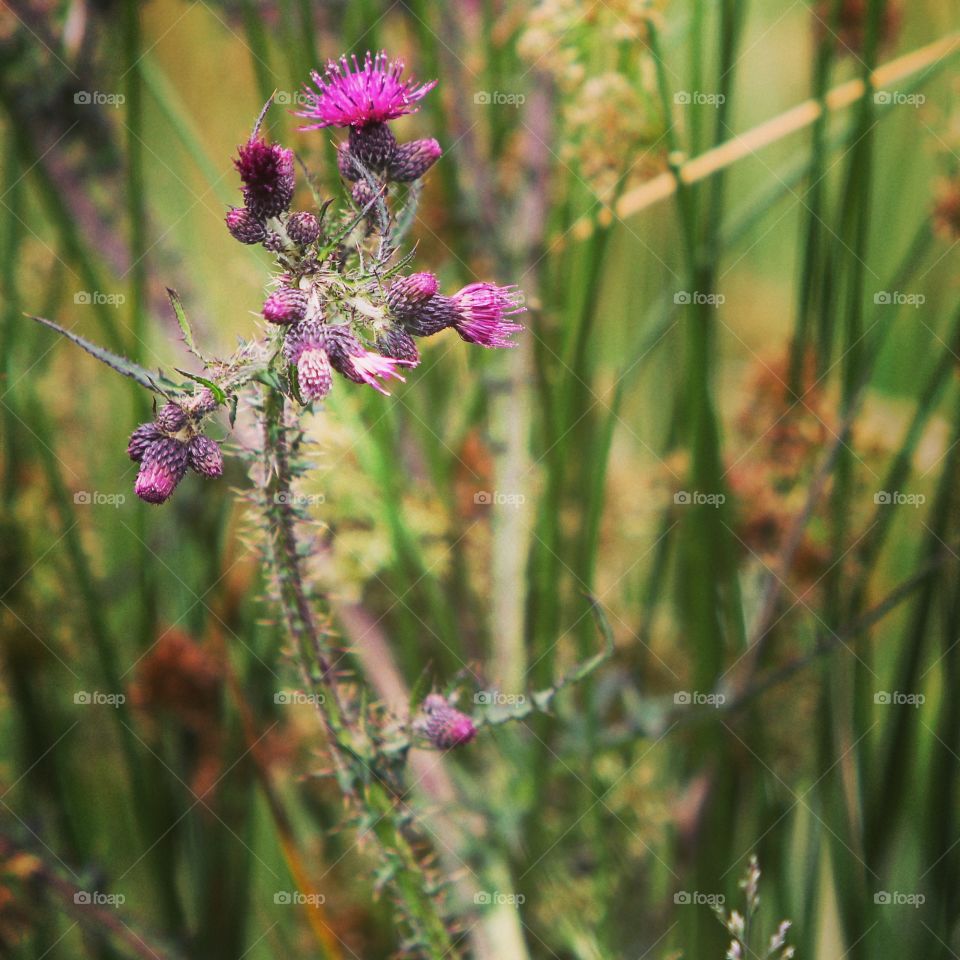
(734, 419)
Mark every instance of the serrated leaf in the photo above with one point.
(185, 328)
(127, 368)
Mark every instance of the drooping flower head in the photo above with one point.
(350, 359)
(445, 726)
(351, 95)
(170, 444)
(266, 170)
(482, 311)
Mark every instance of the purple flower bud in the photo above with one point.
(303, 227)
(482, 309)
(203, 454)
(363, 196)
(171, 418)
(372, 146)
(410, 161)
(407, 295)
(446, 727)
(268, 177)
(395, 342)
(140, 439)
(163, 466)
(244, 226)
(286, 305)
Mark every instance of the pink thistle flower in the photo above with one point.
(351, 360)
(482, 310)
(268, 177)
(314, 375)
(410, 161)
(286, 305)
(204, 456)
(305, 347)
(445, 726)
(162, 468)
(349, 95)
(244, 226)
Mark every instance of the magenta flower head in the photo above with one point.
(482, 310)
(446, 727)
(286, 305)
(268, 177)
(395, 342)
(351, 95)
(351, 360)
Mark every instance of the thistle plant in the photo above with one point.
(342, 303)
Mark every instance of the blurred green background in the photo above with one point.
(733, 418)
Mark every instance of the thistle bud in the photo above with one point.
(410, 161)
(171, 418)
(373, 145)
(268, 177)
(204, 456)
(162, 468)
(446, 727)
(286, 305)
(274, 242)
(407, 294)
(244, 226)
(303, 227)
(140, 439)
(395, 342)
